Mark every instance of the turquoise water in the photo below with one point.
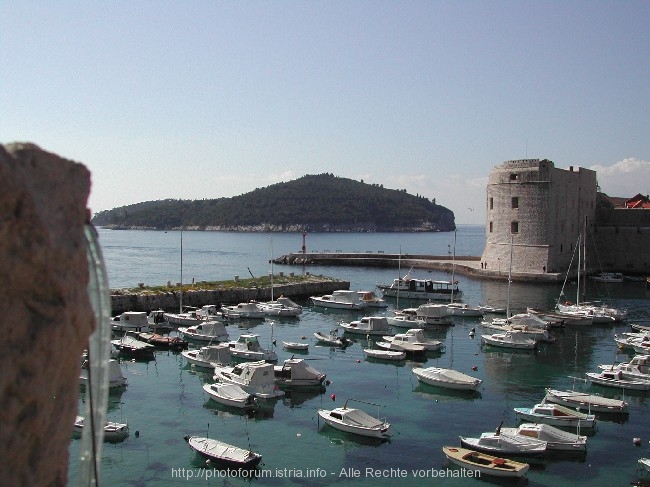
(165, 399)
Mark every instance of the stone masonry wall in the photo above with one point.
(46, 313)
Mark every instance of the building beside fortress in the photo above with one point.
(539, 215)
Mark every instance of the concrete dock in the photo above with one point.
(462, 265)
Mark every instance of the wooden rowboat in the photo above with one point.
(484, 463)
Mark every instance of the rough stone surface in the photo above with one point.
(46, 314)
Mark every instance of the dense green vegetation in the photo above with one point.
(321, 202)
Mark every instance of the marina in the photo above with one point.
(165, 400)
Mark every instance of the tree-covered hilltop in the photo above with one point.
(315, 203)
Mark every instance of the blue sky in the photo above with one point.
(208, 99)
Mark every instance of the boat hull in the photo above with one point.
(484, 463)
(440, 380)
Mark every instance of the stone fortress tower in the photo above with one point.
(541, 210)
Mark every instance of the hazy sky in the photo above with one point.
(207, 99)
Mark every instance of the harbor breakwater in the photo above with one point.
(147, 300)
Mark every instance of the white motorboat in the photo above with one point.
(224, 454)
(502, 326)
(282, 306)
(509, 339)
(572, 318)
(368, 325)
(556, 439)
(414, 336)
(463, 309)
(608, 277)
(644, 463)
(355, 421)
(433, 314)
(131, 321)
(403, 346)
(485, 464)
(115, 376)
(112, 431)
(247, 347)
(230, 395)
(406, 318)
(210, 356)
(385, 354)
(638, 368)
(371, 299)
(299, 346)
(427, 289)
(556, 415)
(250, 310)
(339, 299)
(256, 378)
(210, 312)
(296, 373)
(586, 402)
(487, 308)
(182, 319)
(332, 339)
(447, 378)
(206, 331)
(601, 314)
(614, 378)
(500, 443)
(133, 347)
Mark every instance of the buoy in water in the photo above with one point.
(474, 368)
(333, 396)
(636, 441)
(327, 382)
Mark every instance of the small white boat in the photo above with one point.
(447, 378)
(368, 325)
(295, 345)
(415, 336)
(182, 319)
(333, 339)
(615, 379)
(433, 314)
(372, 300)
(282, 306)
(484, 463)
(638, 368)
(223, 453)
(131, 321)
(500, 443)
(247, 347)
(556, 439)
(463, 309)
(406, 318)
(427, 289)
(112, 431)
(644, 463)
(133, 347)
(509, 339)
(250, 310)
(486, 308)
(385, 354)
(230, 395)
(206, 331)
(586, 402)
(355, 421)
(556, 415)
(210, 356)
(115, 376)
(296, 373)
(608, 277)
(340, 299)
(256, 378)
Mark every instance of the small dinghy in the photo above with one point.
(499, 443)
(448, 378)
(112, 431)
(614, 378)
(295, 346)
(555, 438)
(556, 415)
(484, 463)
(355, 421)
(385, 354)
(223, 453)
(333, 339)
(586, 402)
(230, 395)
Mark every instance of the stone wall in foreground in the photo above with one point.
(46, 314)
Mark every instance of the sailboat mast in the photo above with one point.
(453, 268)
(509, 279)
(181, 292)
(579, 268)
(399, 274)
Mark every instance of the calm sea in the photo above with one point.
(165, 399)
